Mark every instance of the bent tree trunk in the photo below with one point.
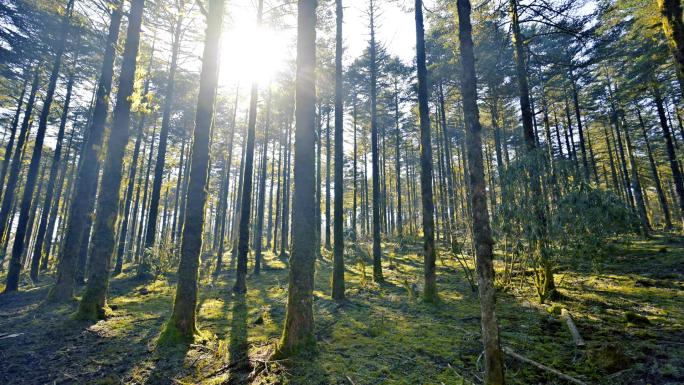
(430, 254)
(182, 325)
(298, 332)
(66, 268)
(482, 234)
(93, 304)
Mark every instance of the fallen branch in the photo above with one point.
(573, 329)
(541, 366)
(350, 380)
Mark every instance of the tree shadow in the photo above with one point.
(238, 362)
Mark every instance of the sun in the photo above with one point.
(249, 54)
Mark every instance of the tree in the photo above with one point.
(88, 173)
(430, 253)
(182, 325)
(493, 359)
(338, 251)
(93, 304)
(298, 332)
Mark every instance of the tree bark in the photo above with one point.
(298, 332)
(13, 133)
(430, 253)
(338, 251)
(377, 250)
(182, 325)
(259, 232)
(66, 269)
(93, 304)
(493, 356)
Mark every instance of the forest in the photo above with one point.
(342, 192)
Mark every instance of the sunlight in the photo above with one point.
(249, 54)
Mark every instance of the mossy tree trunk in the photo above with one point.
(338, 251)
(430, 253)
(66, 269)
(93, 304)
(673, 26)
(298, 332)
(182, 325)
(482, 235)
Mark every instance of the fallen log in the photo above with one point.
(573, 328)
(517, 356)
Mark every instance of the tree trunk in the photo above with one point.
(338, 252)
(638, 194)
(328, 162)
(13, 132)
(521, 72)
(430, 253)
(656, 176)
(93, 304)
(8, 196)
(673, 26)
(182, 324)
(672, 156)
(284, 243)
(243, 240)
(298, 332)
(575, 99)
(66, 269)
(258, 234)
(377, 250)
(176, 222)
(493, 357)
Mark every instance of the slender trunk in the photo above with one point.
(243, 240)
(482, 235)
(8, 197)
(259, 232)
(354, 199)
(673, 26)
(638, 194)
(338, 251)
(182, 324)
(238, 203)
(430, 253)
(56, 161)
(277, 208)
(13, 132)
(274, 176)
(656, 176)
(575, 98)
(176, 222)
(521, 72)
(66, 269)
(284, 244)
(298, 332)
(328, 162)
(672, 156)
(93, 304)
(143, 210)
(377, 251)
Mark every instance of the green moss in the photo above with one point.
(555, 310)
(636, 318)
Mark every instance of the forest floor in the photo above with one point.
(381, 334)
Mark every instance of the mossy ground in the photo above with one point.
(381, 334)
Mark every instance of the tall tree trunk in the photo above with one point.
(448, 172)
(182, 324)
(30, 183)
(47, 243)
(430, 253)
(36, 202)
(93, 304)
(318, 180)
(56, 161)
(66, 269)
(274, 176)
(575, 99)
(338, 251)
(638, 193)
(493, 357)
(354, 199)
(377, 250)
(298, 332)
(8, 197)
(13, 133)
(176, 222)
(284, 243)
(243, 240)
(673, 26)
(521, 72)
(259, 232)
(238, 202)
(656, 176)
(163, 139)
(277, 209)
(328, 162)
(672, 156)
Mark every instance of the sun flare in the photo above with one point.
(249, 53)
